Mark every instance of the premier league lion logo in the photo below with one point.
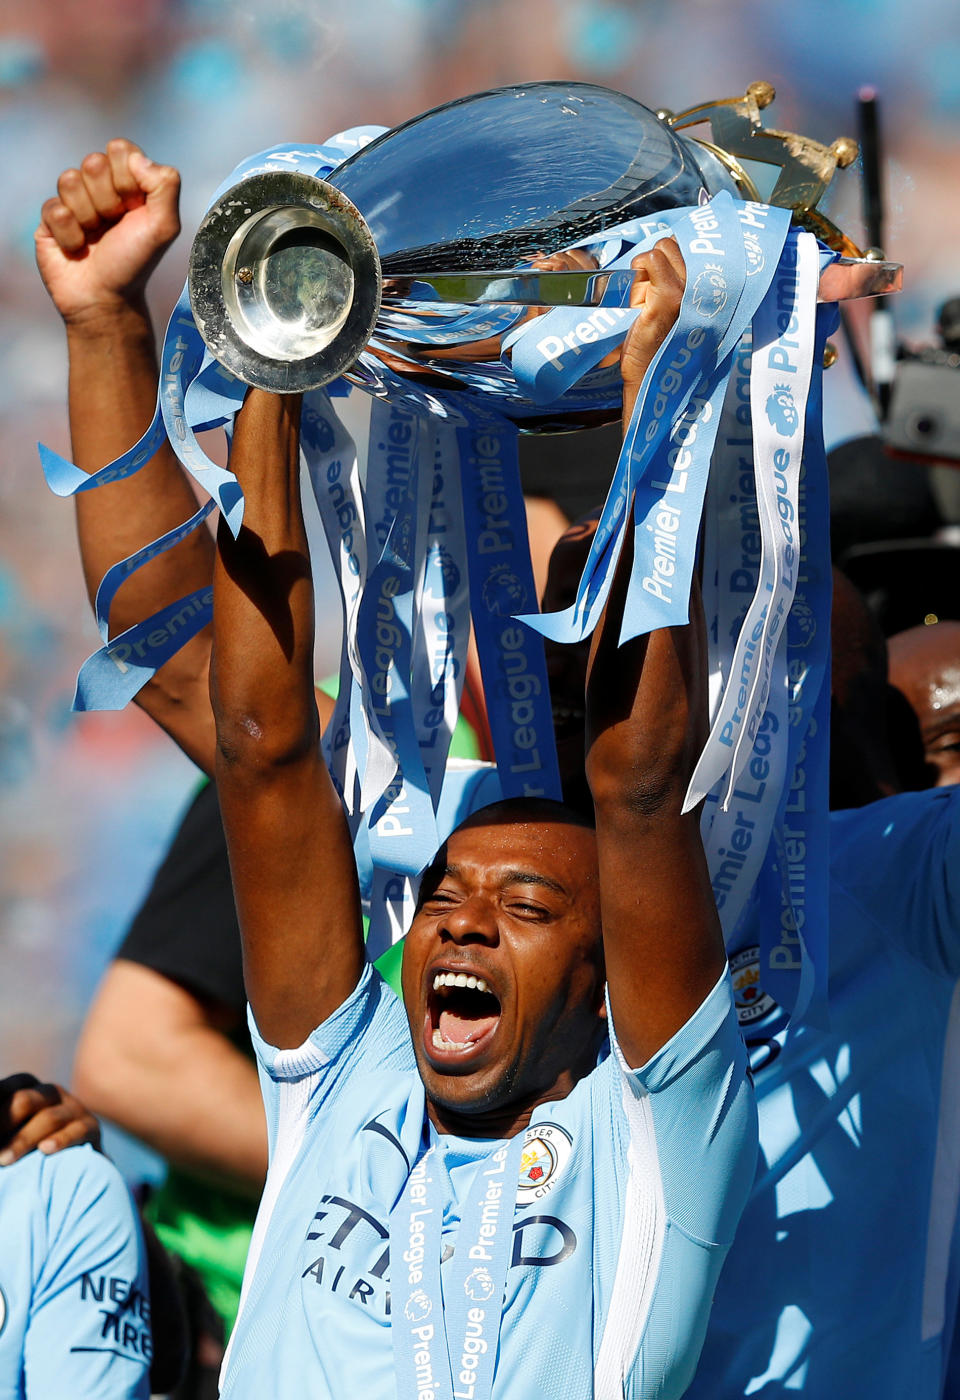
(417, 1307)
(781, 410)
(503, 593)
(400, 547)
(754, 251)
(803, 624)
(710, 291)
(478, 1285)
(449, 572)
(321, 428)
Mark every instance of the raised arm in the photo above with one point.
(291, 859)
(98, 242)
(646, 724)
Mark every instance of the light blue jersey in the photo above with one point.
(842, 1281)
(74, 1298)
(629, 1192)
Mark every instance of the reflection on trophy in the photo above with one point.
(295, 280)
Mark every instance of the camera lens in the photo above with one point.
(923, 426)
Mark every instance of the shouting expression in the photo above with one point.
(503, 965)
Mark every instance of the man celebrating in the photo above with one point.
(519, 1183)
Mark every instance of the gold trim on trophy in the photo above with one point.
(806, 166)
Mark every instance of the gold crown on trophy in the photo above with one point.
(806, 166)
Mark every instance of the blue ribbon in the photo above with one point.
(445, 1337)
(502, 594)
(194, 394)
(112, 676)
(794, 951)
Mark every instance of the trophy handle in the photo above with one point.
(842, 280)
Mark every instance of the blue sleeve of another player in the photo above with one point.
(367, 1031)
(899, 860)
(88, 1334)
(699, 1104)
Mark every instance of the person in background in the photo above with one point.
(857, 1182)
(167, 1032)
(87, 1304)
(855, 1117)
(171, 1010)
(925, 668)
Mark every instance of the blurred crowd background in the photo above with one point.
(87, 802)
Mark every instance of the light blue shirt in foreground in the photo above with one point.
(74, 1299)
(628, 1196)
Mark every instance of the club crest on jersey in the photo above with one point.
(546, 1151)
(751, 1001)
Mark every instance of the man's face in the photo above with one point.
(503, 967)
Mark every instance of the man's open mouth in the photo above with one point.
(462, 1016)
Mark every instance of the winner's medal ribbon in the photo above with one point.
(446, 1334)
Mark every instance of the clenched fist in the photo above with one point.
(105, 230)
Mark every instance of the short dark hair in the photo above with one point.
(537, 809)
(504, 812)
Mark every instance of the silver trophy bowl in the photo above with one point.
(296, 280)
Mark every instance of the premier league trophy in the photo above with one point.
(295, 279)
(445, 290)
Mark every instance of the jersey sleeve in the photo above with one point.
(693, 1102)
(684, 1143)
(899, 860)
(367, 1032)
(88, 1333)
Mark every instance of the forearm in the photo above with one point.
(291, 859)
(646, 718)
(112, 394)
(192, 1097)
(98, 241)
(646, 706)
(262, 672)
